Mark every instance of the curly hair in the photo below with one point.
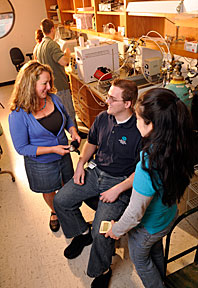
(24, 92)
(169, 144)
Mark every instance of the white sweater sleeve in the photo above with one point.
(133, 214)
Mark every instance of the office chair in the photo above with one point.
(5, 171)
(186, 276)
(18, 58)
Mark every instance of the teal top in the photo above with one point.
(157, 216)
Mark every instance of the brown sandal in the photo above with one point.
(54, 224)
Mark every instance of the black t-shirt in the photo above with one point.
(118, 144)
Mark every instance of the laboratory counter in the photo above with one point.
(88, 101)
(90, 98)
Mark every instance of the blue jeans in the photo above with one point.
(67, 203)
(146, 252)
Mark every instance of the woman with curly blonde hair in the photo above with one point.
(37, 122)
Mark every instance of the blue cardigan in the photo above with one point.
(27, 133)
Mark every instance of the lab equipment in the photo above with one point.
(70, 44)
(178, 85)
(89, 59)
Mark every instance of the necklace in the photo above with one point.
(44, 105)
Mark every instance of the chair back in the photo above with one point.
(17, 57)
(179, 219)
(186, 276)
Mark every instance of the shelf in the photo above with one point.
(178, 49)
(90, 31)
(85, 12)
(68, 11)
(165, 15)
(115, 36)
(175, 48)
(52, 11)
(110, 13)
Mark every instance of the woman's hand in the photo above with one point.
(110, 195)
(74, 134)
(61, 149)
(110, 233)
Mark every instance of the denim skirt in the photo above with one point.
(48, 177)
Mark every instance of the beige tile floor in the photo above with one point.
(31, 256)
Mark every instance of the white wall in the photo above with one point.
(28, 15)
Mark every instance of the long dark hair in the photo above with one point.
(169, 144)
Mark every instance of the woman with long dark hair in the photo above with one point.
(161, 177)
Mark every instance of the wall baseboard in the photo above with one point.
(7, 83)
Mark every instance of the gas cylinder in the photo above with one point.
(178, 85)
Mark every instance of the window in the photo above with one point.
(7, 17)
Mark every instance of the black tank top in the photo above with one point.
(52, 122)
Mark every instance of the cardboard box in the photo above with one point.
(83, 21)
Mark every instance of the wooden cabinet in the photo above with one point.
(50, 12)
(67, 9)
(135, 25)
(87, 103)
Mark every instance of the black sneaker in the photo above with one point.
(102, 280)
(77, 245)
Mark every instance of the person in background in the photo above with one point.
(38, 38)
(116, 141)
(161, 177)
(49, 52)
(37, 124)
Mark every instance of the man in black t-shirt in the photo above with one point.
(116, 140)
